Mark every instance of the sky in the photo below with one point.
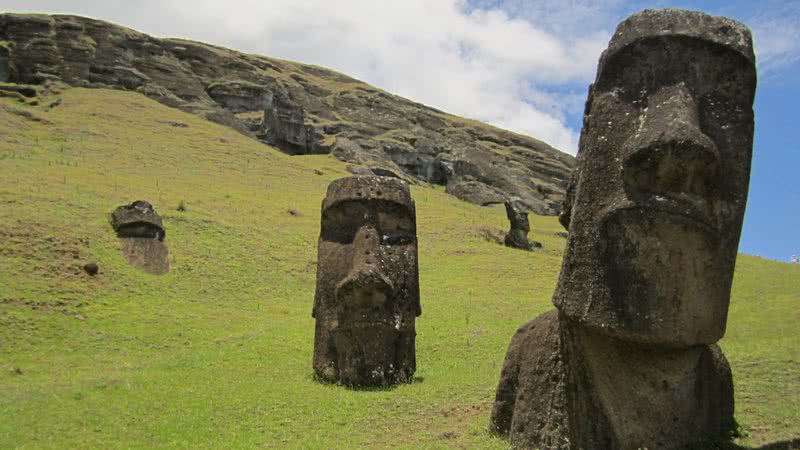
(524, 65)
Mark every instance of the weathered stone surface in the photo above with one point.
(654, 212)
(564, 388)
(91, 268)
(141, 234)
(530, 406)
(5, 69)
(664, 163)
(148, 255)
(138, 220)
(23, 89)
(517, 236)
(297, 108)
(367, 293)
(284, 126)
(239, 96)
(475, 192)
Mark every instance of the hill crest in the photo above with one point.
(297, 108)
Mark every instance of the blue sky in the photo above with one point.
(772, 220)
(524, 65)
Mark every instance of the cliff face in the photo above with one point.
(300, 109)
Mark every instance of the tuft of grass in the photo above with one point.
(217, 353)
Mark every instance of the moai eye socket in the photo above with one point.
(396, 225)
(341, 222)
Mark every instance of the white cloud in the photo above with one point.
(479, 63)
(519, 64)
(776, 40)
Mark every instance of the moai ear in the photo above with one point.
(569, 197)
(566, 207)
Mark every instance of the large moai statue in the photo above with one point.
(654, 211)
(367, 295)
(141, 233)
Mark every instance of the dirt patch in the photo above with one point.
(45, 254)
(490, 234)
(449, 427)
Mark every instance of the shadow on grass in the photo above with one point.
(382, 388)
(792, 444)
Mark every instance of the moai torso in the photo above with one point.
(654, 215)
(367, 294)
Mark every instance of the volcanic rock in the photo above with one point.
(299, 109)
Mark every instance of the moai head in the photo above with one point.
(137, 220)
(367, 295)
(517, 215)
(656, 205)
(517, 236)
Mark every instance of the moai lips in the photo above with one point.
(367, 294)
(654, 213)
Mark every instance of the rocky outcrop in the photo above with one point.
(367, 294)
(5, 71)
(300, 109)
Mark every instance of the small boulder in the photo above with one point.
(91, 268)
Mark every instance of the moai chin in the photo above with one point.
(367, 294)
(654, 213)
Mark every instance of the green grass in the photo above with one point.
(217, 353)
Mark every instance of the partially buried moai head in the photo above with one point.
(656, 205)
(138, 220)
(367, 294)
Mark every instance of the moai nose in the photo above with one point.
(669, 153)
(364, 286)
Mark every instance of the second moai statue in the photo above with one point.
(654, 211)
(367, 293)
(517, 236)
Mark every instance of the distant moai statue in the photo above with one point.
(654, 212)
(517, 236)
(367, 294)
(141, 232)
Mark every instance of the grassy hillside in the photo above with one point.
(217, 353)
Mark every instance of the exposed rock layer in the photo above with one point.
(297, 108)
